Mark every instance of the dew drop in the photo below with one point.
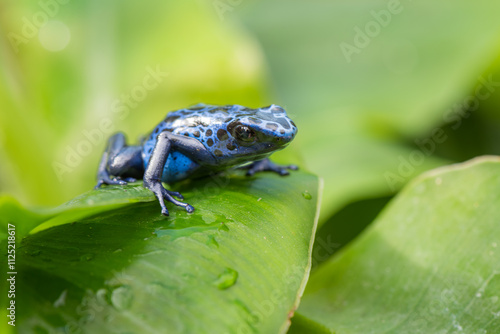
(223, 227)
(122, 297)
(36, 252)
(212, 242)
(158, 288)
(209, 217)
(306, 195)
(86, 257)
(187, 277)
(61, 300)
(227, 279)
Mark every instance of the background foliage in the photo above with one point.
(421, 91)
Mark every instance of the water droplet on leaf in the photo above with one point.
(36, 252)
(212, 242)
(227, 279)
(122, 297)
(223, 227)
(306, 195)
(61, 300)
(86, 257)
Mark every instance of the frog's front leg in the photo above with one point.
(267, 165)
(165, 142)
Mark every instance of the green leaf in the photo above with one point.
(239, 263)
(301, 325)
(355, 114)
(429, 264)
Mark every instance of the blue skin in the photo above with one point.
(197, 141)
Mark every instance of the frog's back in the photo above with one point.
(197, 119)
(201, 122)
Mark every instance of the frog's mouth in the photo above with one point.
(241, 161)
(260, 151)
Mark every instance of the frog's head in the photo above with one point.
(253, 134)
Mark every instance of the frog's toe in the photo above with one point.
(99, 184)
(189, 208)
(282, 172)
(118, 181)
(176, 194)
(107, 180)
(168, 195)
(160, 193)
(267, 165)
(128, 179)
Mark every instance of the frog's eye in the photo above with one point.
(244, 133)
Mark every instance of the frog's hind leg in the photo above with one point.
(121, 161)
(266, 165)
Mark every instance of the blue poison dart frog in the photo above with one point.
(197, 141)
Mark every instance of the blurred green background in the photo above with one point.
(367, 82)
